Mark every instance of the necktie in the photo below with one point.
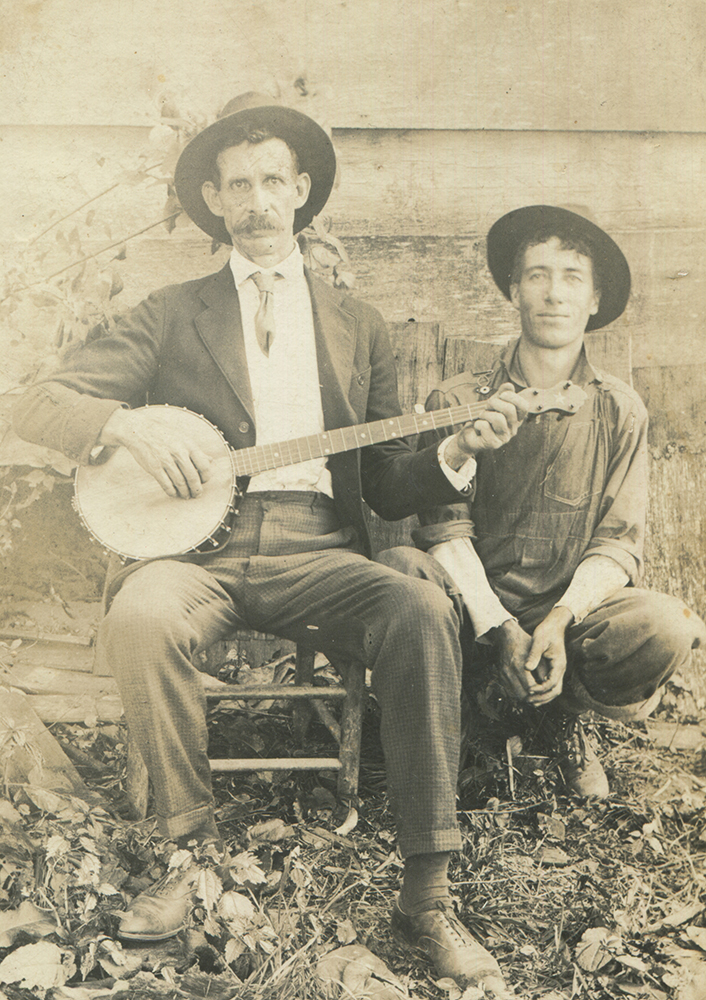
(265, 315)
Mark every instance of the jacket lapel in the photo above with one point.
(221, 330)
(335, 330)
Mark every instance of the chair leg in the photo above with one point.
(136, 781)
(351, 730)
(303, 674)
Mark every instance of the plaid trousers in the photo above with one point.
(289, 568)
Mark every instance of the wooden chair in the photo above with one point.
(308, 700)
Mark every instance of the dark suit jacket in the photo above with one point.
(184, 346)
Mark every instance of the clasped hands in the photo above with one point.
(532, 668)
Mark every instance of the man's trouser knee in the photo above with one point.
(623, 652)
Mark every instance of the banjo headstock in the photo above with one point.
(564, 397)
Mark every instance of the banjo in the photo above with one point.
(126, 511)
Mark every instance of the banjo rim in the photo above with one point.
(103, 538)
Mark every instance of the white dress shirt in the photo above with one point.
(285, 383)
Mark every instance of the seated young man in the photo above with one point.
(547, 552)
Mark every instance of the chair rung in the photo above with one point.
(278, 691)
(278, 764)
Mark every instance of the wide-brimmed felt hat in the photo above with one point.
(509, 233)
(242, 115)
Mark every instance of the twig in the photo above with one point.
(510, 769)
(57, 222)
(91, 256)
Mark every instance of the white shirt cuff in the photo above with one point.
(462, 478)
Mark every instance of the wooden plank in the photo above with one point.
(55, 656)
(30, 753)
(256, 692)
(277, 764)
(137, 782)
(77, 708)
(417, 350)
(675, 397)
(608, 350)
(40, 679)
(402, 63)
(675, 554)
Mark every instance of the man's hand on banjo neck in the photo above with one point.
(496, 425)
(175, 460)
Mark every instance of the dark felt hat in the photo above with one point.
(239, 117)
(510, 232)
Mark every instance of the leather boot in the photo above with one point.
(161, 911)
(583, 772)
(451, 947)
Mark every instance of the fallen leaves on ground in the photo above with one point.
(597, 901)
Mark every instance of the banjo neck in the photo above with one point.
(564, 397)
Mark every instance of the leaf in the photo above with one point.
(345, 931)
(244, 868)
(179, 858)
(234, 949)
(208, 888)
(272, 830)
(7, 810)
(236, 910)
(116, 284)
(632, 962)
(683, 915)
(88, 872)
(27, 918)
(596, 948)
(698, 936)
(43, 964)
(676, 736)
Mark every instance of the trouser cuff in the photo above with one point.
(575, 699)
(437, 842)
(190, 822)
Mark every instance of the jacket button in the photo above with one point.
(243, 427)
(361, 379)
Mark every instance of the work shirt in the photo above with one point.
(564, 488)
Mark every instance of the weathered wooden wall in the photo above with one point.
(445, 114)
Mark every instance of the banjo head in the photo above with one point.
(127, 511)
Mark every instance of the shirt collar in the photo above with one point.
(291, 267)
(583, 372)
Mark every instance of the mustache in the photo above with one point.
(256, 223)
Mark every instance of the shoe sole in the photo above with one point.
(151, 937)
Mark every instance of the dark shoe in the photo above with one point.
(583, 772)
(451, 947)
(161, 911)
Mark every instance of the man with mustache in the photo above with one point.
(547, 554)
(265, 346)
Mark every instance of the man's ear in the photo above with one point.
(212, 198)
(596, 303)
(515, 296)
(303, 185)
